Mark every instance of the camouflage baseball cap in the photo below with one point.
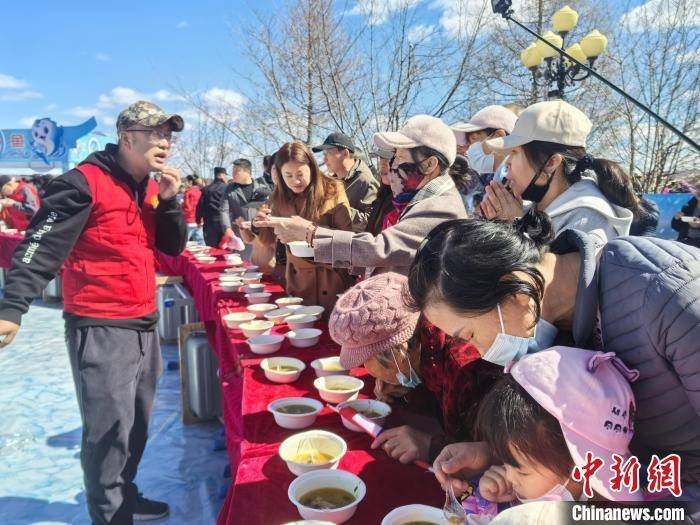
(147, 114)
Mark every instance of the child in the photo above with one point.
(556, 406)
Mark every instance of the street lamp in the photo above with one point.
(557, 68)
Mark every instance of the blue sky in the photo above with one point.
(72, 59)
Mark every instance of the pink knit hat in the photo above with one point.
(371, 317)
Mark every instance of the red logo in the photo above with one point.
(584, 473)
(665, 474)
(626, 474)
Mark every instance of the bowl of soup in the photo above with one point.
(304, 337)
(235, 271)
(236, 319)
(327, 495)
(328, 366)
(338, 388)
(282, 369)
(286, 301)
(265, 343)
(312, 450)
(256, 327)
(278, 315)
(254, 288)
(295, 412)
(415, 515)
(260, 309)
(375, 411)
(230, 278)
(258, 297)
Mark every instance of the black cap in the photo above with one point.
(4, 179)
(219, 170)
(335, 140)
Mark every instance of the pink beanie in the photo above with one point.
(371, 317)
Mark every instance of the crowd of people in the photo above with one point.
(501, 283)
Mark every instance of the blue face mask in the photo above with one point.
(409, 382)
(507, 348)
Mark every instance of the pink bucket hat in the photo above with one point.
(371, 317)
(589, 393)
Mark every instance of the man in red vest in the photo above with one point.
(102, 223)
(21, 202)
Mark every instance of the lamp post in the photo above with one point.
(558, 71)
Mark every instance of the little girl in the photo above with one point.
(543, 419)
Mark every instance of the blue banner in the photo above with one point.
(44, 146)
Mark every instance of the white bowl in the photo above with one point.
(304, 337)
(351, 388)
(294, 421)
(278, 376)
(254, 288)
(253, 328)
(233, 259)
(312, 440)
(258, 297)
(236, 319)
(235, 271)
(320, 479)
(316, 311)
(296, 321)
(251, 278)
(230, 278)
(366, 404)
(300, 249)
(207, 259)
(230, 286)
(294, 307)
(278, 316)
(251, 268)
(265, 344)
(414, 513)
(260, 309)
(286, 301)
(328, 366)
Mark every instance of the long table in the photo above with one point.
(258, 494)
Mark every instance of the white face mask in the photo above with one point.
(409, 382)
(558, 493)
(506, 348)
(478, 160)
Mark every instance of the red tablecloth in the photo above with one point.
(8, 243)
(259, 493)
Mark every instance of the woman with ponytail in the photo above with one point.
(508, 289)
(548, 165)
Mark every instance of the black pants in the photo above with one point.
(212, 233)
(115, 372)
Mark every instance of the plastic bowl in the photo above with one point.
(253, 328)
(235, 271)
(294, 421)
(230, 278)
(316, 311)
(320, 479)
(254, 288)
(312, 440)
(265, 344)
(227, 286)
(260, 309)
(272, 372)
(258, 297)
(236, 319)
(251, 268)
(300, 249)
(296, 321)
(207, 259)
(414, 513)
(304, 337)
(251, 278)
(278, 316)
(366, 404)
(294, 307)
(328, 366)
(327, 386)
(233, 260)
(286, 301)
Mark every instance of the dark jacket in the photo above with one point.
(648, 293)
(682, 227)
(237, 204)
(381, 207)
(646, 221)
(209, 206)
(64, 212)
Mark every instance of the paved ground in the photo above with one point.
(40, 476)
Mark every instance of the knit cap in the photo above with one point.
(372, 317)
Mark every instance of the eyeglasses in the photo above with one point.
(406, 167)
(155, 135)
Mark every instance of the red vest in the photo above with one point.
(110, 274)
(17, 218)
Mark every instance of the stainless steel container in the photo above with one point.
(54, 291)
(175, 308)
(201, 373)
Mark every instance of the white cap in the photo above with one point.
(552, 121)
(421, 130)
(496, 117)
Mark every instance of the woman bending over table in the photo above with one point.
(305, 192)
